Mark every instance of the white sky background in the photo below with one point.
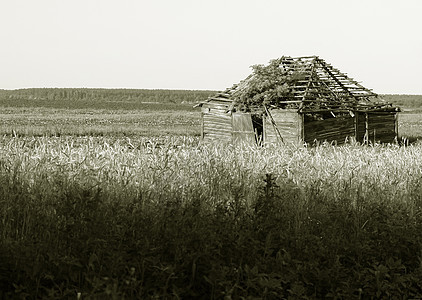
(206, 45)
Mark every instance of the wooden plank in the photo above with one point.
(286, 121)
(243, 131)
(214, 99)
(222, 131)
(217, 126)
(396, 124)
(381, 128)
(215, 122)
(216, 116)
(301, 128)
(360, 126)
(217, 130)
(202, 125)
(223, 108)
(333, 129)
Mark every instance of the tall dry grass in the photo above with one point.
(174, 218)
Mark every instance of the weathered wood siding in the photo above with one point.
(288, 123)
(217, 127)
(243, 131)
(333, 129)
(216, 121)
(382, 127)
(219, 123)
(360, 123)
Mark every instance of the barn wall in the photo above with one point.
(382, 127)
(243, 131)
(332, 129)
(216, 122)
(288, 123)
(361, 125)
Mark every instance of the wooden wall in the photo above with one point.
(379, 127)
(376, 127)
(289, 125)
(382, 127)
(361, 124)
(216, 121)
(332, 129)
(243, 131)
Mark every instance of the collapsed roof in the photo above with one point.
(317, 86)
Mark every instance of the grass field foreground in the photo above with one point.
(172, 218)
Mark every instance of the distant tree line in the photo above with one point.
(408, 101)
(144, 95)
(132, 95)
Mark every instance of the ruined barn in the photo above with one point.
(313, 101)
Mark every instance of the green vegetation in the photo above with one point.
(168, 218)
(102, 112)
(405, 101)
(268, 85)
(80, 122)
(410, 125)
(98, 98)
(99, 112)
(110, 201)
(132, 99)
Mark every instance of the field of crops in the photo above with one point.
(96, 203)
(82, 122)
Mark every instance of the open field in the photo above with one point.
(168, 218)
(80, 122)
(117, 203)
(134, 117)
(410, 124)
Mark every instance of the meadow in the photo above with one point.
(150, 121)
(93, 205)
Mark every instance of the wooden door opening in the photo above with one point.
(258, 126)
(247, 128)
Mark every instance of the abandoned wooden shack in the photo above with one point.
(319, 103)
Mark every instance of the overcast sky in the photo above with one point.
(206, 45)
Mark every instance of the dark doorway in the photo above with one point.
(258, 126)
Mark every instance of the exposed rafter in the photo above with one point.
(321, 87)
